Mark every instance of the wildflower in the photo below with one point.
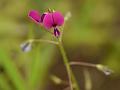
(53, 20)
(50, 19)
(104, 69)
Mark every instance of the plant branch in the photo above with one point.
(100, 67)
(83, 64)
(72, 80)
(42, 40)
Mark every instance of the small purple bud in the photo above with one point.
(56, 32)
(35, 16)
(26, 47)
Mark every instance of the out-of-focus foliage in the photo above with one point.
(92, 34)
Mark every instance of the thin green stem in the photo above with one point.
(83, 64)
(42, 40)
(72, 80)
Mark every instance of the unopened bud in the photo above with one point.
(26, 46)
(104, 69)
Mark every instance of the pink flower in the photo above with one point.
(48, 19)
(53, 20)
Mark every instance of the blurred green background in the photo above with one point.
(92, 35)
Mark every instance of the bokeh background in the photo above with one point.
(91, 35)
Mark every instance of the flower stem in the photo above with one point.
(42, 40)
(72, 80)
(83, 64)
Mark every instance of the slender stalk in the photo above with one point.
(83, 64)
(100, 67)
(72, 80)
(42, 40)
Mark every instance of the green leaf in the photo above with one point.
(3, 83)
(12, 71)
(40, 66)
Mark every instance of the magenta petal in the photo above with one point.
(35, 16)
(48, 21)
(58, 18)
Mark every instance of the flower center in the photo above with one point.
(54, 25)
